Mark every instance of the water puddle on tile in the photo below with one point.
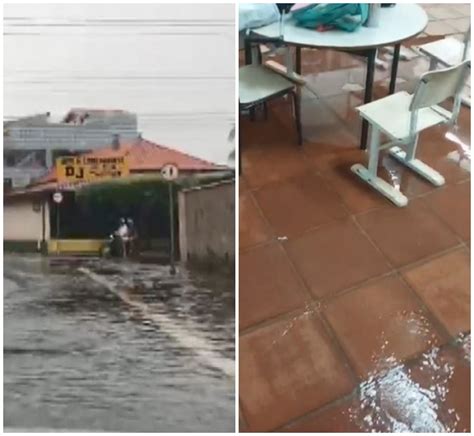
(461, 156)
(464, 342)
(398, 397)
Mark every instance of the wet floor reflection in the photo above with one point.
(408, 397)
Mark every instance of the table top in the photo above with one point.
(396, 24)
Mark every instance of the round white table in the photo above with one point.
(396, 24)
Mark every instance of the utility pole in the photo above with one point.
(57, 198)
(169, 172)
(171, 203)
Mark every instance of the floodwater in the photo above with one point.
(116, 346)
(173, 65)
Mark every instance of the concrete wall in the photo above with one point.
(22, 223)
(207, 223)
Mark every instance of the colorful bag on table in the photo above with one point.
(343, 16)
(253, 15)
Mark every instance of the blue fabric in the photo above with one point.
(343, 16)
(253, 15)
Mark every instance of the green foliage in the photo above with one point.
(98, 208)
(95, 210)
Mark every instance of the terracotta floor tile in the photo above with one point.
(288, 369)
(252, 228)
(321, 125)
(273, 163)
(358, 196)
(460, 24)
(403, 178)
(326, 156)
(331, 419)
(314, 60)
(462, 8)
(242, 185)
(268, 285)
(439, 28)
(380, 320)
(242, 424)
(436, 151)
(444, 11)
(453, 205)
(299, 204)
(263, 132)
(407, 234)
(335, 257)
(444, 285)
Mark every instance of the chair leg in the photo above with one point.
(298, 61)
(369, 83)
(265, 110)
(240, 148)
(297, 116)
(407, 158)
(433, 64)
(369, 174)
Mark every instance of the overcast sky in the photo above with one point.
(174, 65)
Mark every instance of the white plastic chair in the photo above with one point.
(447, 52)
(259, 84)
(402, 117)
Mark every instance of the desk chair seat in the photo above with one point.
(392, 115)
(402, 117)
(447, 52)
(257, 84)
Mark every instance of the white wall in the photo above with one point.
(22, 223)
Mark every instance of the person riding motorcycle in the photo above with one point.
(131, 236)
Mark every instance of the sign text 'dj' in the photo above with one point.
(88, 169)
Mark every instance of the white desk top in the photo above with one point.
(396, 24)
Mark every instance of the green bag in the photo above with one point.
(343, 16)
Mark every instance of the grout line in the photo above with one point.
(295, 271)
(256, 246)
(330, 297)
(242, 416)
(270, 321)
(398, 272)
(339, 348)
(429, 258)
(432, 318)
(319, 410)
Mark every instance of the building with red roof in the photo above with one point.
(144, 158)
(29, 211)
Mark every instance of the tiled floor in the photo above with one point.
(354, 314)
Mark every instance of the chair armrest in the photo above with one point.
(282, 71)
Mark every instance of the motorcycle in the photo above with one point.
(113, 247)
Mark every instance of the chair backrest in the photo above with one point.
(467, 43)
(436, 86)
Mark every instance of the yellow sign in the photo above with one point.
(88, 169)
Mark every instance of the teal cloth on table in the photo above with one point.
(343, 16)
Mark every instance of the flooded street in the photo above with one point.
(144, 352)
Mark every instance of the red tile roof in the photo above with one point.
(146, 156)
